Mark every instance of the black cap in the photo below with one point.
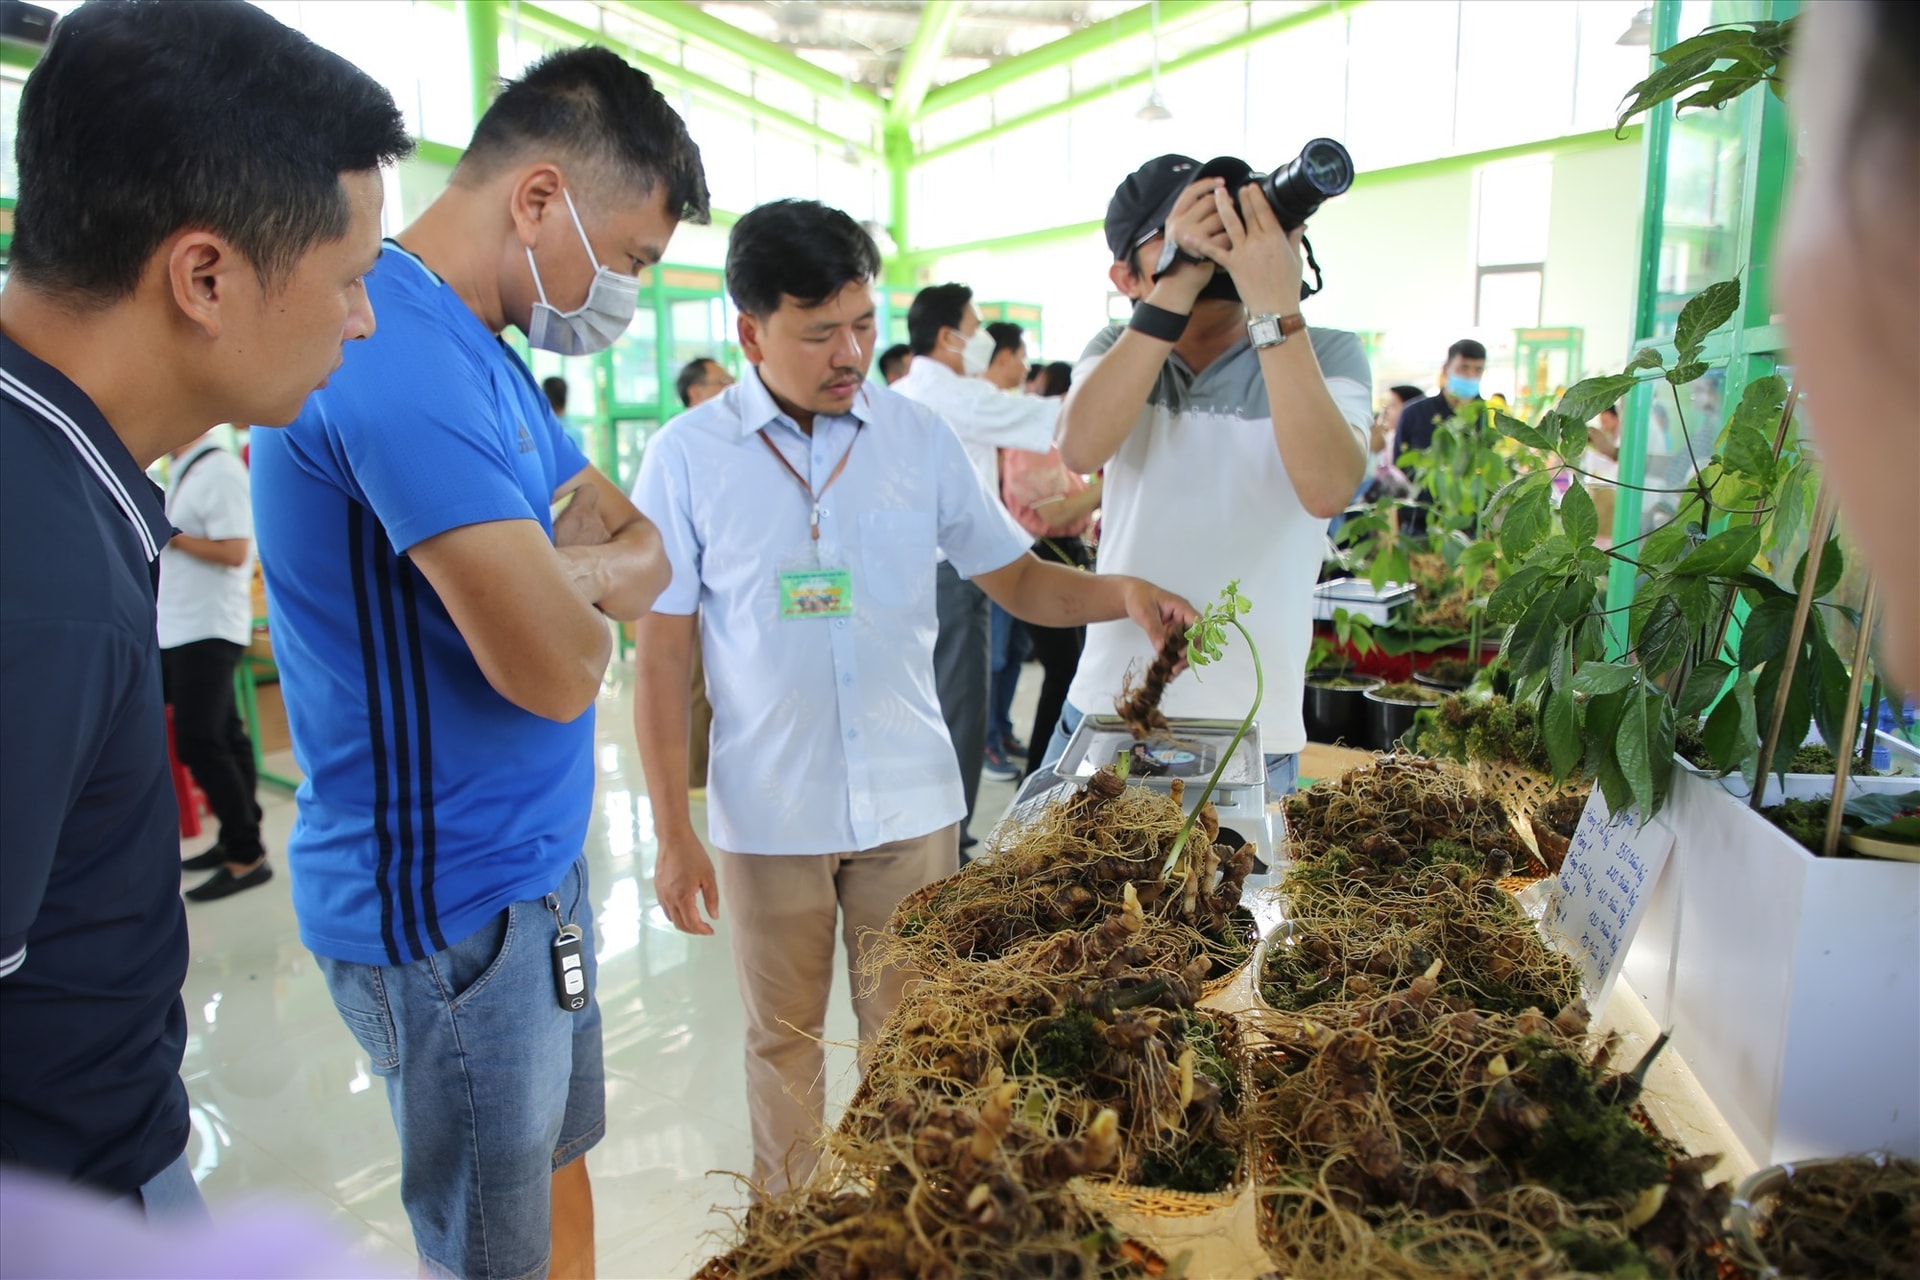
(1141, 204)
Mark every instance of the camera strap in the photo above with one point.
(1319, 282)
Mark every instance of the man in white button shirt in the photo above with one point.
(800, 510)
(951, 352)
(205, 622)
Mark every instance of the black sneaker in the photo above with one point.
(214, 857)
(224, 884)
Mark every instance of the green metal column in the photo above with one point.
(1633, 431)
(483, 52)
(899, 142)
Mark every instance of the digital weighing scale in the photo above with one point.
(1187, 749)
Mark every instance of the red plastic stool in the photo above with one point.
(187, 794)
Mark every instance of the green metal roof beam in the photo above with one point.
(922, 58)
(1174, 14)
(483, 53)
(1291, 22)
(695, 23)
(567, 29)
(18, 53)
(1423, 168)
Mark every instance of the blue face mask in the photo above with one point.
(1463, 388)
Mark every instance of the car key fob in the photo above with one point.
(570, 969)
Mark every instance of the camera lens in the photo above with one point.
(1296, 190)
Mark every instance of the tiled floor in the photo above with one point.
(284, 1104)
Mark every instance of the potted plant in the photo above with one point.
(1335, 710)
(1391, 710)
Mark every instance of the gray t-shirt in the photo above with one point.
(1199, 495)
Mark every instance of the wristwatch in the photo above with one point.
(1270, 330)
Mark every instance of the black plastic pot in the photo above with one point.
(1388, 718)
(1337, 715)
(1426, 681)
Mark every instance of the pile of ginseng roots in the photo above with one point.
(1052, 1034)
(1428, 1101)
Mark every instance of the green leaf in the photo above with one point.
(1647, 358)
(1589, 396)
(1600, 678)
(1512, 489)
(1730, 733)
(1575, 599)
(1763, 636)
(1561, 729)
(1711, 41)
(1833, 564)
(1526, 522)
(1603, 729)
(1663, 641)
(1695, 597)
(1591, 561)
(1511, 598)
(1577, 514)
(1630, 750)
(1703, 686)
(1724, 555)
(1515, 429)
(1706, 311)
(1748, 453)
(1830, 684)
(1531, 643)
(1761, 588)
(1686, 371)
(1799, 709)
(1722, 89)
(1672, 541)
(1760, 406)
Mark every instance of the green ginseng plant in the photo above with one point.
(1206, 640)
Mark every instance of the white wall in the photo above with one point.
(1593, 251)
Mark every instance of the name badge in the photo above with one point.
(815, 591)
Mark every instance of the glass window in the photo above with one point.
(694, 329)
(636, 368)
(1514, 203)
(1508, 299)
(1516, 64)
(1400, 82)
(1701, 217)
(630, 436)
(9, 113)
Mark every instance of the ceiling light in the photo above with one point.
(1640, 30)
(1153, 108)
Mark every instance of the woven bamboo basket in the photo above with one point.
(1521, 791)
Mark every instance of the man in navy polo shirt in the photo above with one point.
(441, 638)
(168, 273)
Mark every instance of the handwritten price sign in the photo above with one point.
(1611, 867)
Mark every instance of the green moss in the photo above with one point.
(1690, 746)
(1817, 757)
(1064, 1048)
(1407, 692)
(1804, 820)
(1491, 729)
(1616, 1259)
(1587, 1150)
(1208, 1166)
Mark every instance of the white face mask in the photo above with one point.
(976, 352)
(596, 322)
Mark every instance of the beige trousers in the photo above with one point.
(782, 910)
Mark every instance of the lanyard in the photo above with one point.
(815, 497)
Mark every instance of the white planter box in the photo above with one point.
(1792, 983)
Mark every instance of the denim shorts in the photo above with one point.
(493, 1085)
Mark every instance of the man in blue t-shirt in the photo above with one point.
(441, 638)
(170, 271)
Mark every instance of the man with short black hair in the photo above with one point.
(701, 380)
(555, 387)
(1459, 387)
(952, 350)
(174, 266)
(1007, 369)
(442, 637)
(894, 361)
(801, 509)
(1229, 430)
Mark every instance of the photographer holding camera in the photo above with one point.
(1230, 432)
